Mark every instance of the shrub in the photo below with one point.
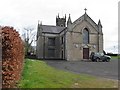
(12, 57)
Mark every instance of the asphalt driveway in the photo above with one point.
(100, 69)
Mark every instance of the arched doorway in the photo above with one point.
(85, 53)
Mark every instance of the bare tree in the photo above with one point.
(28, 37)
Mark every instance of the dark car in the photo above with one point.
(99, 57)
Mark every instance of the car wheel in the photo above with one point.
(97, 59)
(107, 60)
(92, 60)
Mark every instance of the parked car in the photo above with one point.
(96, 56)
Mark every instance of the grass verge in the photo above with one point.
(115, 57)
(37, 74)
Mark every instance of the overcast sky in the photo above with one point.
(26, 13)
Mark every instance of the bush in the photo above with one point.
(12, 57)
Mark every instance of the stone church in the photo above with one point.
(71, 41)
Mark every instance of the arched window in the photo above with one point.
(85, 36)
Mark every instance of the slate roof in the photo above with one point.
(52, 29)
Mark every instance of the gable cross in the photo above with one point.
(85, 10)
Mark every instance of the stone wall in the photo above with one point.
(74, 41)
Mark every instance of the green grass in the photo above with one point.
(37, 74)
(115, 57)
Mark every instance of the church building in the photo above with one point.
(67, 40)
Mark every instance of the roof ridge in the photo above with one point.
(92, 20)
(53, 26)
(49, 25)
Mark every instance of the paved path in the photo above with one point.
(100, 69)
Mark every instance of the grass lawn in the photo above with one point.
(115, 57)
(37, 74)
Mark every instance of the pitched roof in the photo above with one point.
(87, 18)
(52, 29)
(83, 17)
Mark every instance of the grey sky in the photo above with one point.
(24, 13)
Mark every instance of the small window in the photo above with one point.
(62, 40)
(51, 41)
(62, 54)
